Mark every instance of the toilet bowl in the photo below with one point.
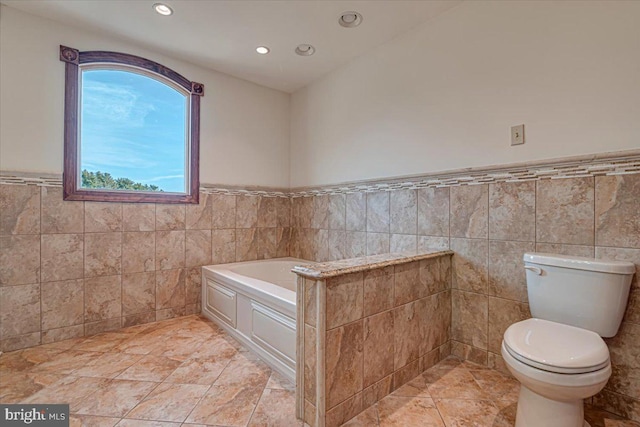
(558, 366)
(559, 355)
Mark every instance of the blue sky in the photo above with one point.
(133, 127)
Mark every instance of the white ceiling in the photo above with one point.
(222, 34)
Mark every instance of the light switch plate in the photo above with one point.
(517, 135)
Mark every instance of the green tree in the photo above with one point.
(106, 181)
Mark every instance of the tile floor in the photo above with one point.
(188, 372)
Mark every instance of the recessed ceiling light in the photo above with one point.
(262, 50)
(162, 9)
(350, 19)
(305, 50)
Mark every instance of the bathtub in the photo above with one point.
(255, 302)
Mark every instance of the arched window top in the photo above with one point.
(131, 129)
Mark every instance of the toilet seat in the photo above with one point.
(555, 347)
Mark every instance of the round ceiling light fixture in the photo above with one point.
(350, 19)
(162, 9)
(262, 50)
(305, 50)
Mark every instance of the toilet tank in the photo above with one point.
(583, 292)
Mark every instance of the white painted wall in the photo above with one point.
(444, 95)
(244, 127)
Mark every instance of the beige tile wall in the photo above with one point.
(382, 328)
(69, 269)
(490, 227)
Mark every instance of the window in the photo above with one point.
(131, 130)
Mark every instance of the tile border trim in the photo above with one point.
(610, 163)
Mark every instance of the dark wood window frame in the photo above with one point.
(73, 60)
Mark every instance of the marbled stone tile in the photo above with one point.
(321, 245)
(434, 275)
(497, 385)
(301, 212)
(19, 310)
(469, 353)
(469, 322)
(572, 250)
(103, 298)
(223, 246)
(406, 325)
(502, 314)
(616, 210)
(115, 398)
(356, 244)
(267, 214)
(356, 212)
(283, 212)
(276, 408)
(432, 243)
(405, 374)
(62, 334)
(245, 369)
(109, 365)
(506, 269)
(247, 211)
(433, 211)
(337, 244)
(19, 209)
(266, 245)
(102, 254)
(470, 211)
(418, 387)
(378, 212)
(199, 217)
(367, 418)
(470, 265)
(246, 244)
(170, 217)
(618, 404)
(512, 211)
(138, 251)
(170, 249)
(201, 370)
(138, 293)
(101, 326)
(378, 347)
(403, 208)
(61, 257)
(310, 307)
(343, 355)
(320, 214)
(631, 255)
(467, 412)
(435, 321)
(138, 319)
(377, 391)
(198, 248)
(62, 304)
(17, 386)
(170, 288)
(456, 383)
(310, 363)
(344, 299)
(378, 290)
(278, 382)
(565, 211)
(21, 341)
(170, 313)
(193, 285)
(403, 243)
(139, 217)
(19, 260)
(151, 368)
(283, 242)
(169, 402)
(407, 283)
(337, 211)
(495, 361)
(408, 411)
(378, 243)
(59, 216)
(625, 361)
(76, 420)
(228, 406)
(223, 211)
(69, 390)
(101, 217)
(344, 411)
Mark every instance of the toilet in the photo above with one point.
(559, 355)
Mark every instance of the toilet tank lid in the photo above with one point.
(580, 263)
